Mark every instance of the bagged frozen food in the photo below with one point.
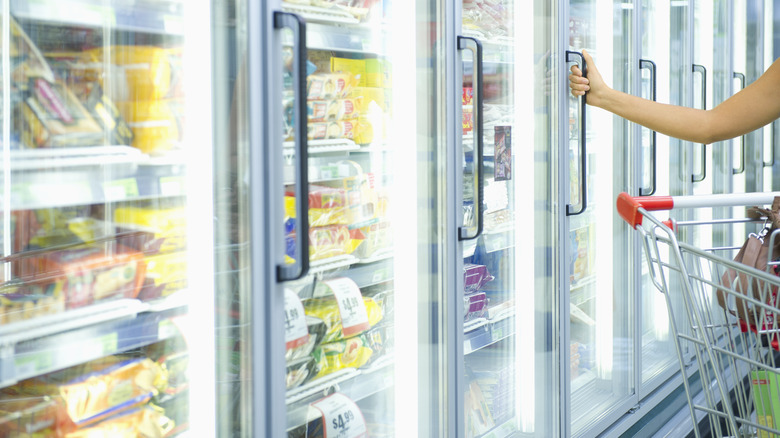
(29, 301)
(327, 310)
(378, 237)
(326, 86)
(327, 206)
(99, 395)
(145, 422)
(317, 330)
(89, 273)
(474, 277)
(134, 73)
(348, 353)
(475, 306)
(51, 117)
(29, 416)
(332, 241)
(300, 371)
(333, 110)
(360, 130)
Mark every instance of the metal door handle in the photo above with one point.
(298, 269)
(771, 161)
(570, 211)
(701, 69)
(741, 167)
(650, 65)
(476, 49)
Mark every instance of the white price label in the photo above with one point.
(354, 317)
(341, 417)
(296, 333)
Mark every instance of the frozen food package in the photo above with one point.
(326, 86)
(329, 241)
(166, 273)
(378, 73)
(27, 60)
(475, 306)
(378, 237)
(99, 395)
(327, 310)
(103, 109)
(22, 416)
(381, 96)
(300, 371)
(89, 273)
(355, 67)
(154, 123)
(334, 110)
(474, 277)
(51, 117)
(21, 301)
(360, 130)
(317, 330)
(347, 353)
(169, 226)
(144, 422)
(134, 72)
(327, 206)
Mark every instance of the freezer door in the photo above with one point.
(507, 108)
(107, 219)
(598, 361)
(354, 160)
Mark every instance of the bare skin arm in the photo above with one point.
(751, 108)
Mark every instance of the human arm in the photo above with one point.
(753, 107)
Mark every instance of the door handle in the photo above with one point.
(650, 65)
(570, 211)
(473, 44)
(298, 269)
(741, 167)
(701, 69)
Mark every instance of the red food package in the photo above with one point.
(91, 273)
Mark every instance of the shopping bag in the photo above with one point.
(754, 253)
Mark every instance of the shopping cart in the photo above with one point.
(722, 316)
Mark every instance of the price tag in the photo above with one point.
(354, 317)
(121, 189)
(296, 333)
(171, 185)
(341, 417)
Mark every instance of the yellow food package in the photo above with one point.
(360, 130)
(356, 67)
(169, 225)
(378, 73)
(134, 73)
(153, 122)
(166, 273)
(100, 395)
(146, 422)
(371, 94)
(325, 86)
(327, 309)
(349, 353)
(334, 110)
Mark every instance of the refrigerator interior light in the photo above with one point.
(200, 323)
(525, 244)
(404, 191)
(604, 175)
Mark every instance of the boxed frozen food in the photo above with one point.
(381, 96)
(154, 124)
(474, 277)
(327, 310)
(326, 86)
(359, 130)
(354, 67)
(147, 422)
(103, 109)
(765, 394)
(378, 73)
(334, 110)
(166, 273)
(168, 225)
(51, 116)
(89, 273)
(132, 73)
(475, 305)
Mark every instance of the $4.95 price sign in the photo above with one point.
(341, 417)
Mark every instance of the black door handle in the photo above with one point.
(650, 65)
(476, 48)
(570, 211)
(701, 69)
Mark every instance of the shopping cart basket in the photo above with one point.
(736, 361)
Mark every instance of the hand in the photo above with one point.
(593, 84)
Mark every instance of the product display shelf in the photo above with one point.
(37, 346)
(581, 383)
(496, 49)
(330, 33)
(503, 430)
(46, 178)
(318, 147)
(363, 273)
(583, 290)
(355, 384)
(482, 332)
(147, 16)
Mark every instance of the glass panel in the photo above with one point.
(97, 257)
(768, 132)
(509, 281)
(377, 222)
(601, 345)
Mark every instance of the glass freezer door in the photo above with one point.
(106, 238)
(358, 203)
(509, 236)
(601, 347)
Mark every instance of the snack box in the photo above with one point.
(766, 399)
(167, 225)
(166, 273)
(474, 306)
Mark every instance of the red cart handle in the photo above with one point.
(628, 206)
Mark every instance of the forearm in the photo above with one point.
(675, 121)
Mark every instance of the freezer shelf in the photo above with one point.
(150, 16)
(332, 29)
(41, 345)
(483, 332)
(50, 178)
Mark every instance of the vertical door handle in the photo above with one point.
(473, 44)
(771, 161)
(650, 65)
(570, 211)
(741, 167)
(298, 269)
(701, 69)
